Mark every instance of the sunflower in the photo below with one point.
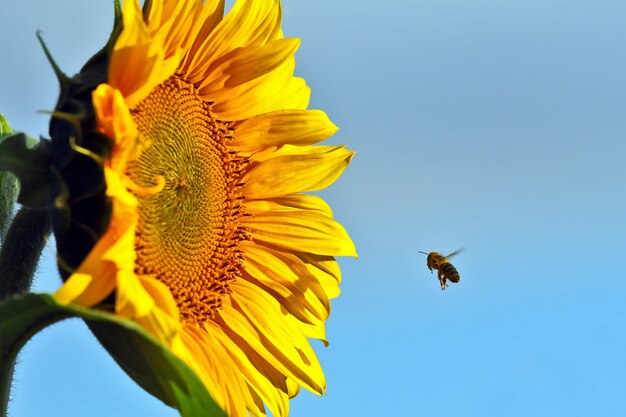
(208, 240)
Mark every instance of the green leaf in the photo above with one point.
(5, 128)
(146, 360)
(30, 165)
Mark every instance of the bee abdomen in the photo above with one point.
(450, 272)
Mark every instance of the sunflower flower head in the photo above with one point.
(192, 219)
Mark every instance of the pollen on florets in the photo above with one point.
(187, 235)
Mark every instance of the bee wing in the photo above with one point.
(455, 253)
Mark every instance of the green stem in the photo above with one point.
(9, 187)
(21, 250)
(8, 193)
(6, 377)
(19, 257)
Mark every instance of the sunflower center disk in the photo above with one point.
(187, 232)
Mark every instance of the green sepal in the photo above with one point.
(143, 358)
(117, 10)
(31, 165)
(61, 77)
(118, 25)
(9, 186)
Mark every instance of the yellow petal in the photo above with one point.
(247, 64)
(161, 295)
(296, 96)
(135, 48)
(207, 18)
(250, 22)
(306, 230)
(224, 383)
(287, 277)
(290, 202)
(256, 371)
(257, 318)
(169, 23)
(282, 127)
(315, 330)
(115, 121)
(84, 289)
(326, 271)
(131, 50)
(132, 299)
(293, 388)
(255, 97)
(327, 264)
(297, 169)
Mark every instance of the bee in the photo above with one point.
(445, 270)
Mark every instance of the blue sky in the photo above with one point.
(496, 126)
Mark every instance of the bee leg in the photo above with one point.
(442, 280)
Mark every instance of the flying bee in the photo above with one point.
(445, 270)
